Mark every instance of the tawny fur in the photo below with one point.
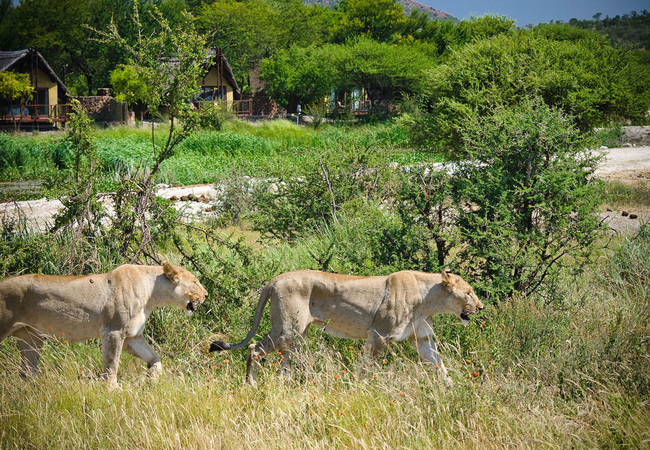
(112, 306)
(379, 309)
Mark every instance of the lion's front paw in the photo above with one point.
(155, 370)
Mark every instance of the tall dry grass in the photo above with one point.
(528, 374)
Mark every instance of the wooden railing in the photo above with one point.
(355, 107)
(243, 107)
(34, 113)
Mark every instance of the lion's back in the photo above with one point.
(50, 302)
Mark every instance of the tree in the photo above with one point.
(298, 75)
(384, 71)
(483, 27)
(526, 200)
(127, 85)
(300, 24)
(586, 78)
(168, 64)
(16, 87)
(381, 20)
(563, 32)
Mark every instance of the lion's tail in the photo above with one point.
(219, 346)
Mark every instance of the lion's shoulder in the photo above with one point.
(132, 273)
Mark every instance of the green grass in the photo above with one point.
(205, 157)
(625, 195)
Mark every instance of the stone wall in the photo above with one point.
(104, 108)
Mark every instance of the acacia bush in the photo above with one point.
(291, 204)
(526, 201)
(423, 202)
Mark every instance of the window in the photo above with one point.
(42, 102)
(212, 93)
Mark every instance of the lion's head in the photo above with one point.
(465, 300)
(188, 288)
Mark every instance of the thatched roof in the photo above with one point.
(227, 71)
(19, 61)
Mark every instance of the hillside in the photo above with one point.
(409, 5)
(629, 30)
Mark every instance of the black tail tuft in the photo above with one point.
(219, 346)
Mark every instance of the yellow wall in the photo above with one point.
(44, 81)
(212, 79)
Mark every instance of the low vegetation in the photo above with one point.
(206, 156)
(565, 365)
(567, 372)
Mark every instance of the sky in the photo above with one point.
(538, 11)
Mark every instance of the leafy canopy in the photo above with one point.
(299, 74)
(380, 20)
(308, 74)
(587, 78)
(15, 86)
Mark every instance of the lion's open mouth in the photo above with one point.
(191, 306)
(465, 314)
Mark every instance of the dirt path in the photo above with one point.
(625, 164)
(629, 165)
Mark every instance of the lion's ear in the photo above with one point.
(447, 278)
(170, 272)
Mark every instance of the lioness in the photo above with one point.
(379, 309)
(113, 306)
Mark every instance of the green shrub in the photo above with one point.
(526, 202)
(293, 203)
(587, 78)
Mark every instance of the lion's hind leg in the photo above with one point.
(265, 347)
(255, 353)
(30, 344)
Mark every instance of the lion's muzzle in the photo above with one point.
(466, 314)
(195, 301)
